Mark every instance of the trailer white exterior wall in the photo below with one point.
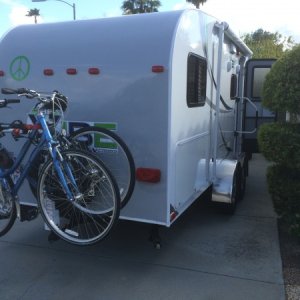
(149, 109)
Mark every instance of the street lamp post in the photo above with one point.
(72, 5)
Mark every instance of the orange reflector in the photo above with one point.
(173, 215)
(71, 71)
(148, 175)
(2, 73)
(158, 69)
(48, 72)
(94, 71)
(16, 132)
(32, 126)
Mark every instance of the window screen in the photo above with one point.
(196, 81)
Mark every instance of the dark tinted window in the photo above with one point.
(233, 86)
(196, 81)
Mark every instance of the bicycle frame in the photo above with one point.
(19, 160)
(52, 145)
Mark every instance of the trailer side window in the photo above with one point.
(196, 81)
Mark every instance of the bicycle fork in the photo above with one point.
(66, 177)
(57, 160)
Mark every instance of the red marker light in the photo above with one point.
(94, 71)
(48, 72)
(158, 69)
(71, 71)
(148, 175)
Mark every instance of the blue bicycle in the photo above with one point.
(77, 195)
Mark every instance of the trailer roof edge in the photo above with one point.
(237, 40)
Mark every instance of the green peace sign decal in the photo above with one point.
(19, 68)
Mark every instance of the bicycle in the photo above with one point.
(77, 195)
(118, 158)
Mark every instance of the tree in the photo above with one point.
(197, 2)
(130, 7)
(281, 90)
(33, 13)
(280, 142)
(265, 44)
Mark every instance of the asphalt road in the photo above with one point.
(204, 255)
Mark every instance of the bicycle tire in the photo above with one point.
(8, 215)
(114, 153)
(86, 220)
(33, 173)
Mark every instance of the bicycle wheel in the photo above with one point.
(114, 153)
(8, 212)
(91, 214)
(35, 167)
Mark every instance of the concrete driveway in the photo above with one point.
(204, 255)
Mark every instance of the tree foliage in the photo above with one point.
(281, 90)
(265, 44)
(130, 7)
(196, 2)
(33, 13)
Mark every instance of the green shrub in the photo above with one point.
(280, 143)
(284, 187)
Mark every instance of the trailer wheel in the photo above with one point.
(242, 183)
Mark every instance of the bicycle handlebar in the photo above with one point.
(21, 91)
(4, 102)
(56, 99)
(30, 94)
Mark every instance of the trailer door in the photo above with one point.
(256, 71)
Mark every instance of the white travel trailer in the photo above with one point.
(170, 84)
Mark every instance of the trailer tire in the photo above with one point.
(242, 184)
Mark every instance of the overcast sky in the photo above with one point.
(243, 16)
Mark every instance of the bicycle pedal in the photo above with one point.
(28, 212)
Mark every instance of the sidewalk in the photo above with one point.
(204, 255)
